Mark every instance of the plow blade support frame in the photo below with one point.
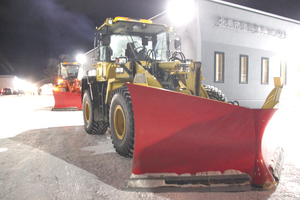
(178, 133)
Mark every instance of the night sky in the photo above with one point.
(35, 34)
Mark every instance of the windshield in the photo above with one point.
(137, 47)
(69, 71)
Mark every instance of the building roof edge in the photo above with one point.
(255, 11)
(7, 76)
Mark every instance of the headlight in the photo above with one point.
(60, 81)
(119, 70)
(110, 21)
(92, 72)
(121, 60)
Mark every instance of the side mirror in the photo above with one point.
(177, 44)
(105, 40)
(144, 41)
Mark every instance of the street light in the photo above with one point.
(181, 11)
(81, 58)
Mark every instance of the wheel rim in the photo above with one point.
(87, 112)
(119, 122)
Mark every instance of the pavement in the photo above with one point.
(47, 154)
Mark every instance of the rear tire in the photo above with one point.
(90, 126)
(122, 122)
(214, 93)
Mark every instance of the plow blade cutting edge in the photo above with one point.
(67, 101)
(199, 144)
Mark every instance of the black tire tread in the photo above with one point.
(97, 128)
(124, 92)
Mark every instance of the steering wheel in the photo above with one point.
(141, 53)
(137, 48)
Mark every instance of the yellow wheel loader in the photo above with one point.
(158, 112)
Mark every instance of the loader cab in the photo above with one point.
(68, 70)
(138, 40)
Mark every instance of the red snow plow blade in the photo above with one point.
(214, 143)
(67, 100)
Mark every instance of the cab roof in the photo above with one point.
(124, 25)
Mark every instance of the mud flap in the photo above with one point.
(178, 133)
(67, 101)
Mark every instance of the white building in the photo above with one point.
(7, 81)
(241, 50)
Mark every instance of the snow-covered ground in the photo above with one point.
(46, 154)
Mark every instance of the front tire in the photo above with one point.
(122, 122)
(90, 126)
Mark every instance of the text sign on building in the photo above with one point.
(248, 27)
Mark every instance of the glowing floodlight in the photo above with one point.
(18, 83)
(81, 58)
(181, 11)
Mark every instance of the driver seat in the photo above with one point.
(130, 52)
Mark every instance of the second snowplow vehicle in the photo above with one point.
(129, 52)
(67, 91)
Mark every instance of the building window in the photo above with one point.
(243, 69)
(219, 67)
(283, 72)
(265, 71)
